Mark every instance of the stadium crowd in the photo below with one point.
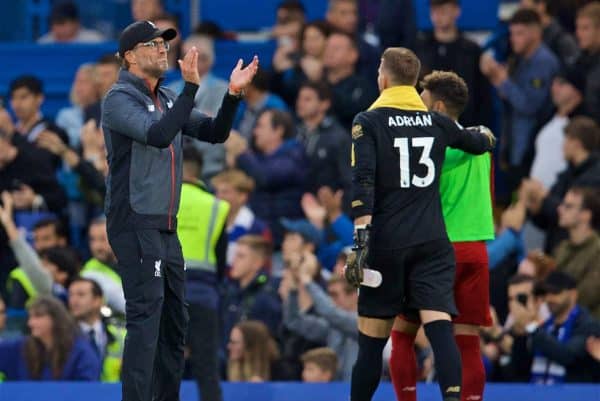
(267, 297)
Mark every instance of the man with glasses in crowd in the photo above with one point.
(143, 125)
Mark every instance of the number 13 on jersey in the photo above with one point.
(426, 143)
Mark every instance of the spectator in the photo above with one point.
(326, 143)
(336, 228)
(249, 295)
(106, 73)
(299, 237)
(555, 348)
(278, 167)
(210, 93)
(252, 353)
(588, 37)
(84, 93)
(396, 23)
(320, 365)
(84, 181)
(208, 100)
(561, 42)
(447, 49)
(578, 256)
(26, 97)
(146, 10)
(31, 181)
(235, 187)
(334, 320)
(343, 16)
(525, 91)
(102, 267)
(352, 93)
(55, 349)
(508, 235)
(257, 99)
(567, 97)
(290, 16)
(287, 32)
(520, 292)
(204, 249)
(65, 26)
(49, 233)
(293, 66)
(91, 178)
(293, 345)
(582, 139)
(93, 147)
(168, 21)
(505, 252)
(107, 340)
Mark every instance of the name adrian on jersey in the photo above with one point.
(410, 121)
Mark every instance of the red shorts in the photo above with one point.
(472, 284)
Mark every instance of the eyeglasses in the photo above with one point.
(154, 44)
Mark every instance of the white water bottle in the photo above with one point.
(371, 278)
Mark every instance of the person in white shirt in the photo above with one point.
(567, 96)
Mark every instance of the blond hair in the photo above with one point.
(241, 181)
(325, 358)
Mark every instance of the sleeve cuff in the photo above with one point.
(189, 89)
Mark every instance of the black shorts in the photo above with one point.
(417, 278)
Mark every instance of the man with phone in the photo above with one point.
(551, 350)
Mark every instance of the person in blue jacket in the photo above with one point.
(55, 349)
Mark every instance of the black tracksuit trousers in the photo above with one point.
(152, 270)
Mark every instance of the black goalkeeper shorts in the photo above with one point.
(416, 278)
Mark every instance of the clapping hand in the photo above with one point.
(189, 66)
(241, 77)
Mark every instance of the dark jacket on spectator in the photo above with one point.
(561, 42)
(82, 364)
(461, 56)
(396, 23)
(328, 151)
(572, 354)
(258, 301)
(42, 154)
(38, 174)
(587, 174)
(589, 65)
(352, 95)
(280, 181)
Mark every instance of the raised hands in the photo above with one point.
(6, 216)
(189, 66)
(241, 77)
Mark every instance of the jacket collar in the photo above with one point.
(402, 97)
(139, 83)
